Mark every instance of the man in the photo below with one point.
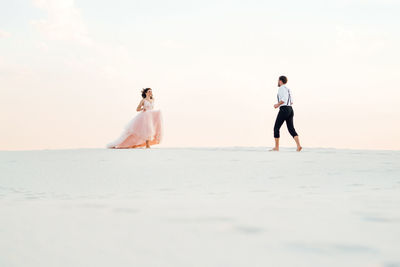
(284, 104)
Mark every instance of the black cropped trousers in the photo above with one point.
(285, 114)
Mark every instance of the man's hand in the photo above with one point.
(279, 104)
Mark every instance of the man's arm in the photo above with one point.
(279, 104)
(282, 95)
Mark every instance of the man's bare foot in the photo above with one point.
(275, 149)
(299, 149)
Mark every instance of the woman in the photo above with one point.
(143, 130)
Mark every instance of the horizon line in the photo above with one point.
(198, 148)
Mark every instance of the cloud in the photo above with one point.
(346, 39)
(42, 46)
(356, 41)
(64, 22)
(4, 34)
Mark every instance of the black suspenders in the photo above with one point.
(288, 97)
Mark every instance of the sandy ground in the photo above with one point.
(199, 207)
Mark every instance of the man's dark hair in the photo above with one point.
(283, 79)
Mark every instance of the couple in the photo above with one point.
(146, 128)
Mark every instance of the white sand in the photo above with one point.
(200, 207)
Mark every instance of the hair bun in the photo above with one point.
(144, 92)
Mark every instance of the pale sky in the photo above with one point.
(71, 71)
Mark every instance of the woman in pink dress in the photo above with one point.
(145, 129)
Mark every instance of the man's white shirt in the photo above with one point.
(285, 95)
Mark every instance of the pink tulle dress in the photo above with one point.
(147, 125)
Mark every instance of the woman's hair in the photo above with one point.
(144, 92)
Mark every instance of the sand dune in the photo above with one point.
(200, 207)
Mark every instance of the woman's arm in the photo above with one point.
(140, 106)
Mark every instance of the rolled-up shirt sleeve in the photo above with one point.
(283, 95)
